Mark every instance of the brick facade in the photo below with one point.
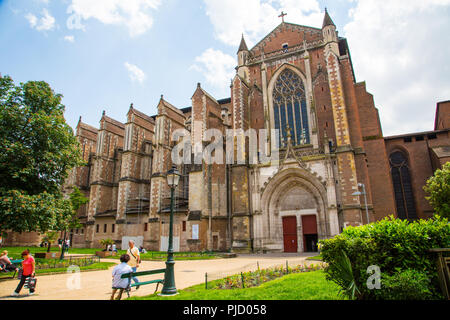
(242, 206)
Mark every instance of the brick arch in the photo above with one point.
(267, 225)
(400, 148)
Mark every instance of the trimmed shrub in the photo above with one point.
(405, 285)
(393, 245)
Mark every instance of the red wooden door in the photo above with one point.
(309, 224)
(310, 237)
(290, 234)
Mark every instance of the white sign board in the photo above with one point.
(195, 231)
(164, 246)
(138, 241)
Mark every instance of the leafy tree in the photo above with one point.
(106, 243)
(77, 199)
(438, 187)
(38, 149)
(50, 237)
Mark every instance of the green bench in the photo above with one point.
(16, 263)
(130, 275)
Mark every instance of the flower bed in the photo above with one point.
(258, 277)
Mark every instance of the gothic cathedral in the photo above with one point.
(334, 168)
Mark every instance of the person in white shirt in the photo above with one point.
(135, 259)
(119, 283)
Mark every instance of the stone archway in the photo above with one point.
(292, 192)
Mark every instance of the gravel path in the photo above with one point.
(96, 285)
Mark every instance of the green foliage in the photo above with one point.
(406, 285)
(38, 150)
(77, 199)
(394, 245)
(346, 279)
(438, 188)
(106, 242)
(22, 212)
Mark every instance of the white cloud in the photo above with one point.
(135, 73)
(256, 18)
(400, 49)
(45, 23)
(134, 14)
(32, 19)
(69, 38)
(217, 68)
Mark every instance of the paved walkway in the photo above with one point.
(96, 285)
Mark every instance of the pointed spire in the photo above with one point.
(327, 20)
(243, 45)
(131, 106)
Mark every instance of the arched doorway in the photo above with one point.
(294, 213)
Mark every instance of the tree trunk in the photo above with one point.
(49, 246)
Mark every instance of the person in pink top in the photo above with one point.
(29, 270)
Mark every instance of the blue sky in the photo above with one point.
(106, 54)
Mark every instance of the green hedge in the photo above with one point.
(398, 247)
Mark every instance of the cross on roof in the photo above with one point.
(282, 15)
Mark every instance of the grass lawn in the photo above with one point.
(300, 286)
(95, 266)
(162, 256)
(15, 252)
(316, 258)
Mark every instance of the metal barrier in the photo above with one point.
(80, 261)
(254, 271)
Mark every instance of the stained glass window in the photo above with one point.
(289, 108)
(404, 198)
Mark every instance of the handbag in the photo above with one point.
(30, 283)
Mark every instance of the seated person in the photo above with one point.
(5, 262)
(119, 283)
(142, 250)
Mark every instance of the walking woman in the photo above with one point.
(29, 268)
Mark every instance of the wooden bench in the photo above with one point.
(130, 275)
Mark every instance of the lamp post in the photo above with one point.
(169, 289)
(63, 246)
(358, 193)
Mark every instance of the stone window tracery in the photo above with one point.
(401, 179)
(290, 109)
